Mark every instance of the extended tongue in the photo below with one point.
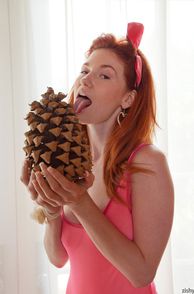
(80, 104)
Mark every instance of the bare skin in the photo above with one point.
(152, 196)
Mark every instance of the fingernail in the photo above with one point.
(42, 166)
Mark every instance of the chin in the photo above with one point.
(88, 121)
(85, 119)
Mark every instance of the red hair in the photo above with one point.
(138, 126)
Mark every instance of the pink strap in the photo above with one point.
(136, 150)
(138, 70)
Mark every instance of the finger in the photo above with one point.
(31, 188)
(54, 185)
(62, 190)
(25, 174)
(46, 205)
(50, 195)
(67, 185)
(41, 195)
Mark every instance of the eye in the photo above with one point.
(105, 77)
(83, 72)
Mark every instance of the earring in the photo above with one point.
(123, 113)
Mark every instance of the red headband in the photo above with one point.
(134, 35)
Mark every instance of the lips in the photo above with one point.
(82, 102)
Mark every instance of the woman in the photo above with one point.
(115, 226)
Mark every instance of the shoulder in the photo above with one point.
(153, 159)
(149, 156)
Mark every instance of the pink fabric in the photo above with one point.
(134, 34)
(138, 70)
(91, 272)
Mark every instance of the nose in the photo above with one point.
(86, 81)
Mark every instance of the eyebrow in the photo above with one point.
(103, 66)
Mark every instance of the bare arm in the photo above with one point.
(52, 239)
(152, 201)
(53, 245)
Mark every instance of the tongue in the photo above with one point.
(80, 104)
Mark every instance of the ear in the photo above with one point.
(128, 99)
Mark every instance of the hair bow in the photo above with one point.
(134, 35)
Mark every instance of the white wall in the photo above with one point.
(21, 264)
(8, 218)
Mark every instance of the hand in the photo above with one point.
(27, 176)
(57, 190)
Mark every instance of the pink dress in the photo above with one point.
(90, 271)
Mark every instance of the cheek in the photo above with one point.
(110, 94)
(104, 109)
(105, 103)
(112, 102)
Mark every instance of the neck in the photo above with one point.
(98, 135)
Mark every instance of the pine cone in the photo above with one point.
(56, 138)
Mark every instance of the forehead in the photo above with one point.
(105, 56)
